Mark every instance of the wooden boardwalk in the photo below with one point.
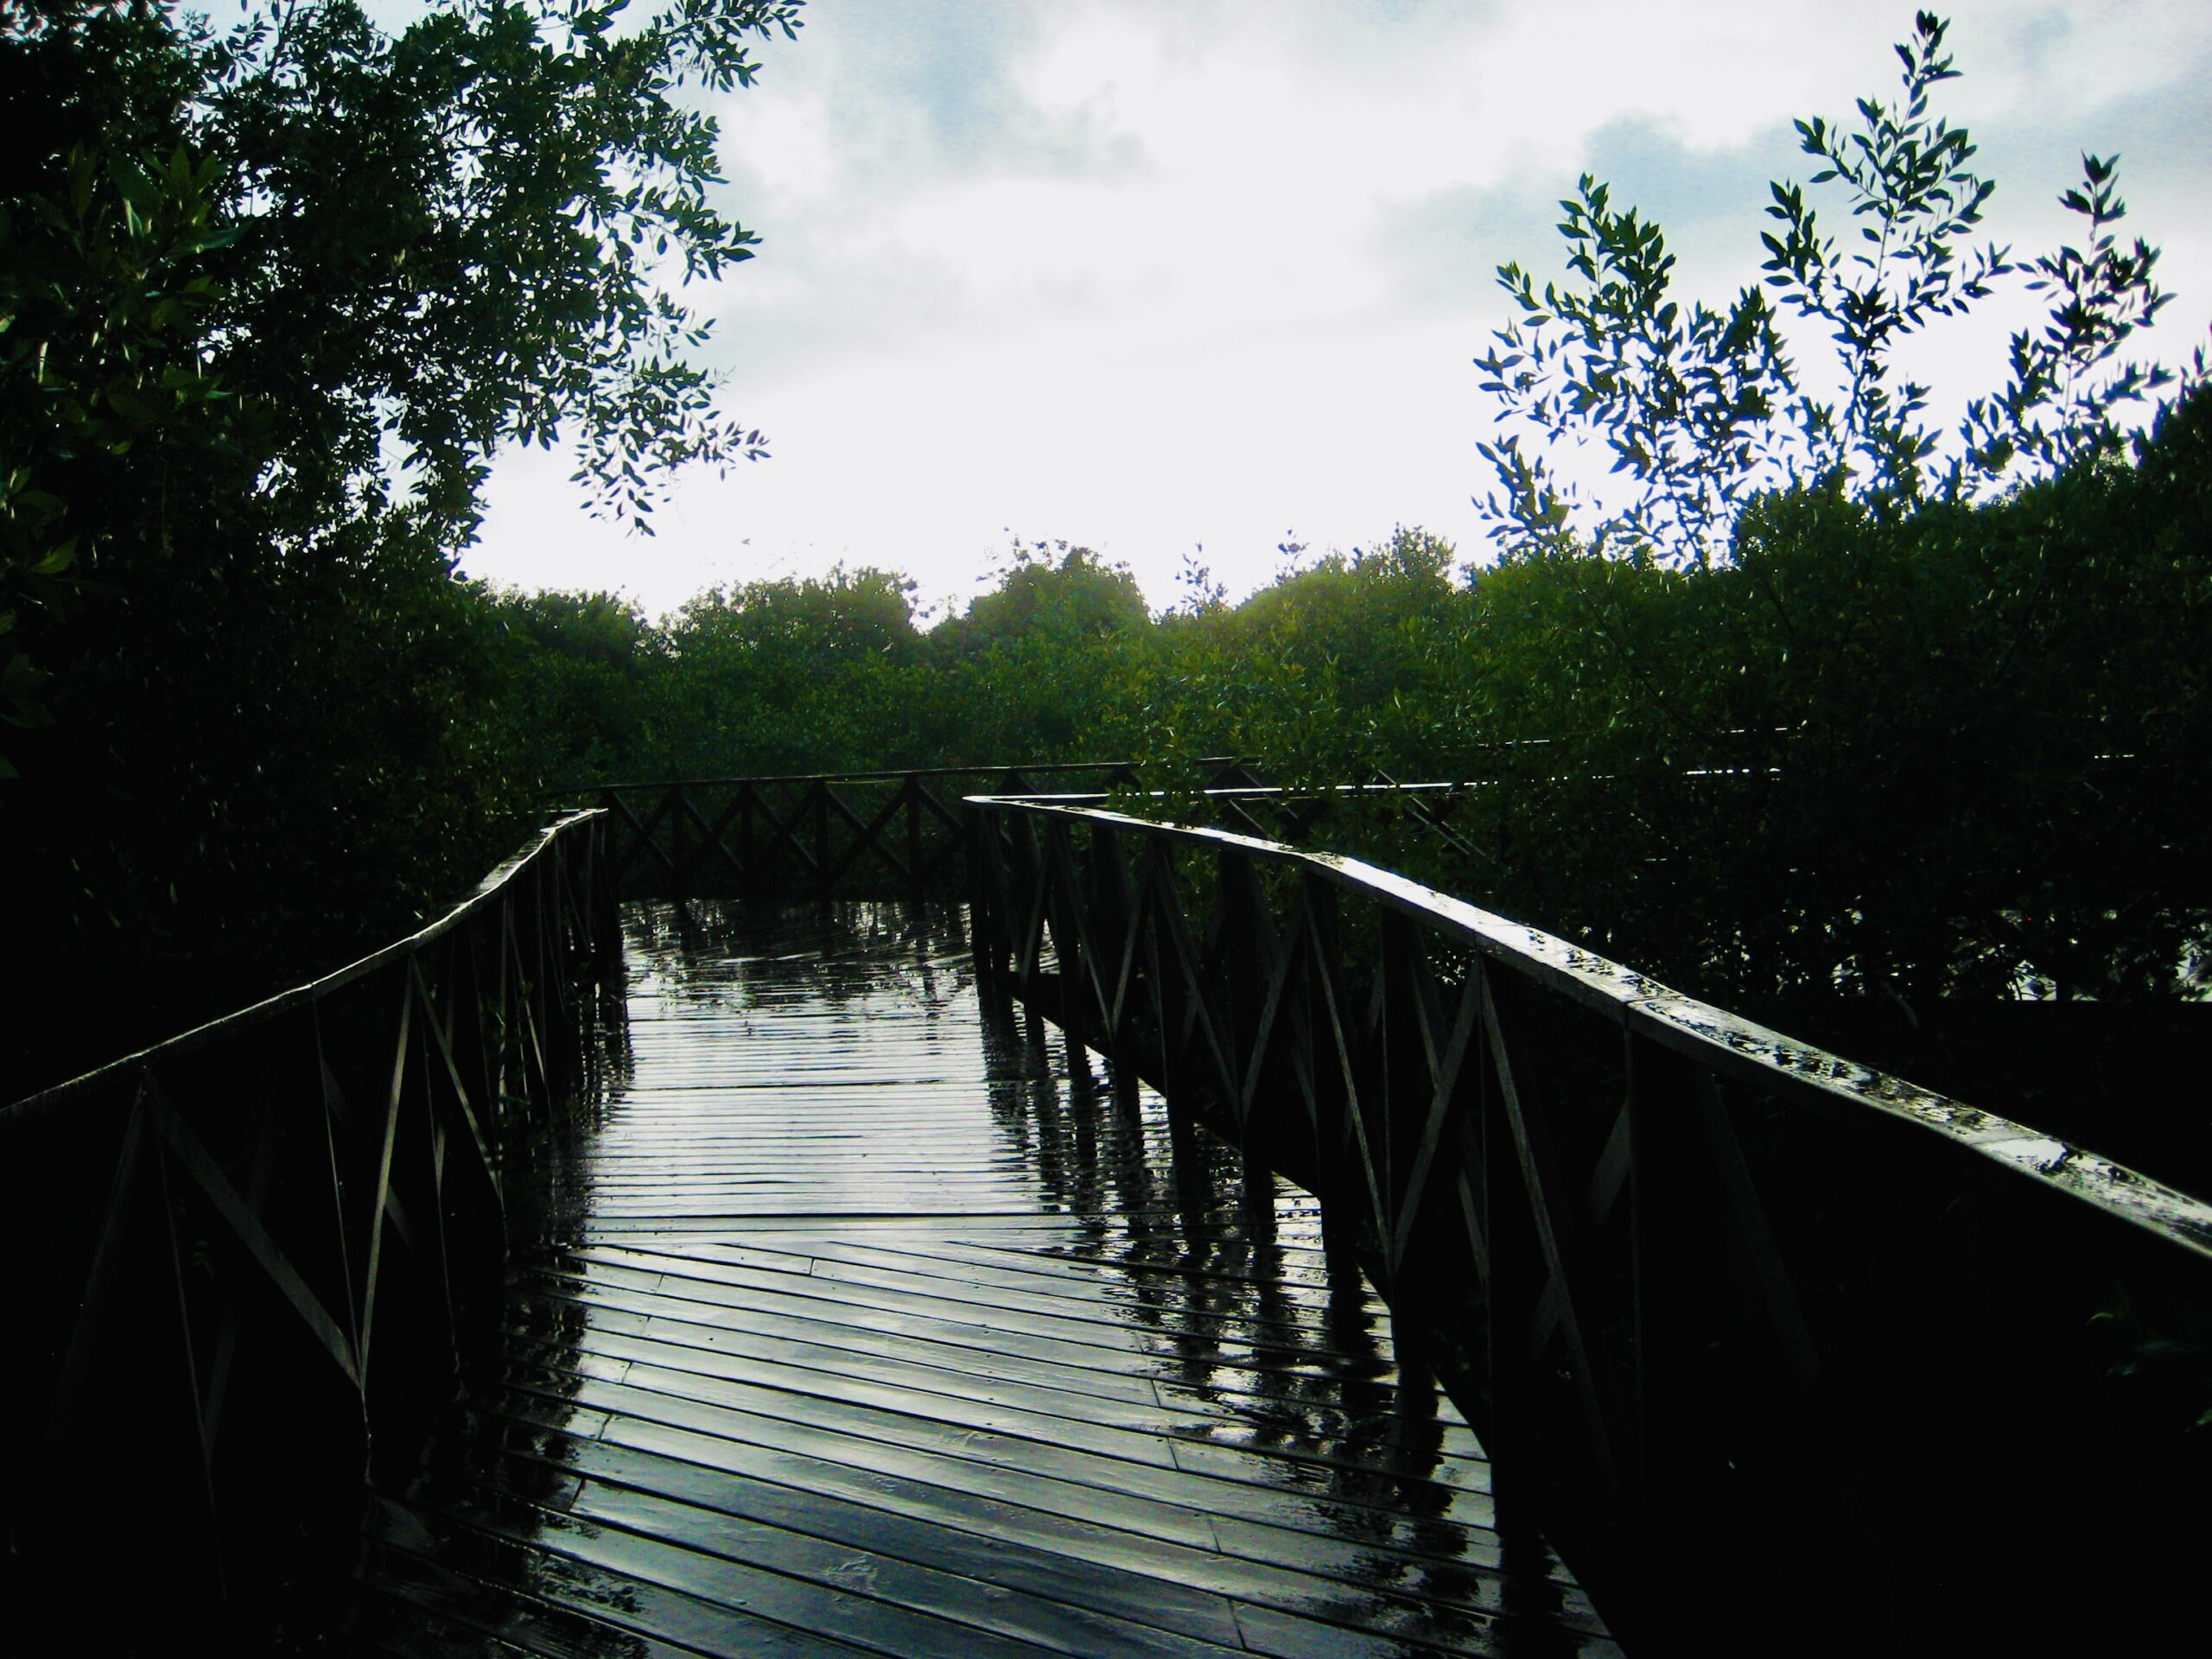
(866, 1327)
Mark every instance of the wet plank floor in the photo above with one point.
(867, 1326)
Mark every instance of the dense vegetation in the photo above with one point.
(1820, 710)
(1948, 754)
(270, 297)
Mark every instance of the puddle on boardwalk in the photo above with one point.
(867, 1324)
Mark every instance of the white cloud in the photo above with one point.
(1147, 276)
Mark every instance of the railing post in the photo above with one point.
(1337, 1057)
(1515, 1269)
(985, 929)
(912, 792)
(817, 812)
(679, 861)
(748, 839)
(1672, 1472)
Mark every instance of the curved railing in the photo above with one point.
(232, 1257)
(823, 834)
(1756, 1328)
(808, 835)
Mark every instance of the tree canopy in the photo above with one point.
(272, 293)
(1700, 410)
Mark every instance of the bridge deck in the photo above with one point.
(859, 1336)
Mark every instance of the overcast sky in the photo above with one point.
(1152, 274)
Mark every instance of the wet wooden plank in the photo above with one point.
(981, 1591)
(694, 1296)
(658, 1592)
(1214, 1430)
(982, 1551)
(1361, 1584)
(1313, 1428)
(873, 1327)
(422, 1609)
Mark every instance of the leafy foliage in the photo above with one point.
(1705, 410)
(305, 275)
(270, 297)
(1685, 404)
(521, 191)
(2056, 409)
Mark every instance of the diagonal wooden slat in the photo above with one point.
(116, 1217)
(1029, 866)
(534, 1051)
(1194, 1021)
(1609, 1177)
(1124, 900)
(711, 833)
(267, 1136)
(1246, 954)
(785, 838)
(380, 1190)
(641, 831)
(485, 1158)
(1437, 1123)
(869, 834)
(1286, 963)
(334, 1114)
(1469, 1182)
(1344, 1059)
(1082, 985)
(211, 1534)
(237, 1215)
(1754, 1259)
(1756, 1272)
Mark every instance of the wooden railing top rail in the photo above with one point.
(487, 891)
(879, 775)
(1730, 1044)
(1233, 791)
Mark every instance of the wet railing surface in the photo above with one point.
(1764, 1333)
(872, 1323)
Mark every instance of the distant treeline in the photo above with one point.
(1947, 753)
(1961, 752)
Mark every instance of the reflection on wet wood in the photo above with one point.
(869, 1327)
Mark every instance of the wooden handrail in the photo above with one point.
(878, 775)
(1711, 1294)
(234, 1254)
(1725, 1042)
(486, 892)
(819, 835)
(808, 835)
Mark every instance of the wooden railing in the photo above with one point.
(809, 836)
(823, 835)
(232, 1258)
(1789, 1356)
